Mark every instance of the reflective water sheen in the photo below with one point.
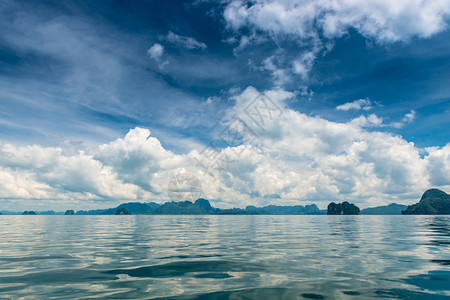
(225, 257)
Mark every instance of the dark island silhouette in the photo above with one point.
(29, 212)
(122, 211)
(343, 208)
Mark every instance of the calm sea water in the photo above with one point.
(225, 257)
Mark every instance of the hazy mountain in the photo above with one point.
(391, 209)
(283, 210)
(140, 208)
(29, 213)
(233, 211)
(135, 208)
(199, 207)
(7, 212)
(48, 212)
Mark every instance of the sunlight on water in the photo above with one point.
(289, 257)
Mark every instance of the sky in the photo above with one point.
(263, 102)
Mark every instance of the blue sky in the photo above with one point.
(88, 82)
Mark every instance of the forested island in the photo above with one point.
(343, 208)
(433, 202)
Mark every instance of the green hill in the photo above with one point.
(433, 202)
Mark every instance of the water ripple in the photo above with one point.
(225, 257)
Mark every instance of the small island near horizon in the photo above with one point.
(432, 202)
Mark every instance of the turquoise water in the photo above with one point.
(225, 257)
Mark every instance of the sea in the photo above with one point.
(224, 257)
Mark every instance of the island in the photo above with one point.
(343, 208)
(122, 211)
(433, 202)
(29, 212)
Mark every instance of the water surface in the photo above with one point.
(225, 257)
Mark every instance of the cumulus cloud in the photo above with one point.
(185, 41)
(364, 104)
(439, 165)
(19, 184)
(340, 160)
(156, 51)
(371, 120)
(50, 174)
(292, 159)
(139, 159)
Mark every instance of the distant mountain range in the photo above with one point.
(391, 209)
(203, 207)
(199, 207)
(433, 201)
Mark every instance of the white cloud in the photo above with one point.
(439, 165)
(48, 173)
(138, 159)
(383, 20)
(295, 159)
(279, 75)
(314, 24)
(212, 100)
(156, 51)
(312, 158)
(185, 41)
(373, 120)
(21, 184)
(370, 121)
(364, 104)
(246, 40)
(407, 119)
(304, 63)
